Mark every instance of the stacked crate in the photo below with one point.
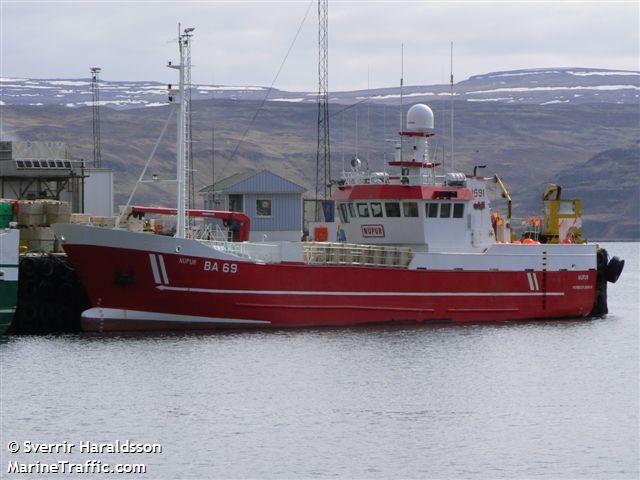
(34, 220)
(129, 222)
(105, 222)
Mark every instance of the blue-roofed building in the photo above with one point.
(273, 203)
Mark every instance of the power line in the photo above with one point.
(275, 78)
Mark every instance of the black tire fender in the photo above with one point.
(614, 269)
(28, 267)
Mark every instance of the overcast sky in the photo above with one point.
(243, 43)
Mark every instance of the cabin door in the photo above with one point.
(236, 203)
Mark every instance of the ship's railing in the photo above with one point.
(319, 253)
(260, 252)
(355, 254)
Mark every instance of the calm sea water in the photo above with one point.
(523, 400)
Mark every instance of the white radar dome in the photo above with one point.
(420, 118)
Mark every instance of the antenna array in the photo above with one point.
(95, 97)
(323, 152)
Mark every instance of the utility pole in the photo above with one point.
(323, 152)
(95, 97)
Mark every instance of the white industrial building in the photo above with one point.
(45, 170)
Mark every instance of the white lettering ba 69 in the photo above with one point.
(223, 267)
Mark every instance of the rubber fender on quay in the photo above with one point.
(602, 258)
(28, 267)
(67, 275)
(28, 289)
(57, 323)
(46, 267)
(67, 317)
(614, 269)
(28, 316)
(64, 270)
(66, 291)
(47, 318)
(600, 305)
(46, 290)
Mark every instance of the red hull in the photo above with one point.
(295, 295)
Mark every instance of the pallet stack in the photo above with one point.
(34, 220)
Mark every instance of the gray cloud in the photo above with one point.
(244, 42)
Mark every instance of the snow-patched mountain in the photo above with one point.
(532, 86)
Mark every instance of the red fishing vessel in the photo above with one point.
(417, 246)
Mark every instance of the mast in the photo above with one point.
(401, 84)
(213, 156)
(368, 119)
(451, 97)
(182, 145)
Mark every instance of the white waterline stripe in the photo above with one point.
(163, 269)
(154, 268)
(7, 310)
(98, 313)
(361, 294)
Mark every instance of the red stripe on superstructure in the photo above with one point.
(416, 134)
(414, 164)
(398, 192)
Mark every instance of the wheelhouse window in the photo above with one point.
(263, 207)
(376, 209)
(352, 211)
(431, 209)
(363, 210)
(410, 209)
(392, 209)
(458, 210)
(343, 213)
(445, 210)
